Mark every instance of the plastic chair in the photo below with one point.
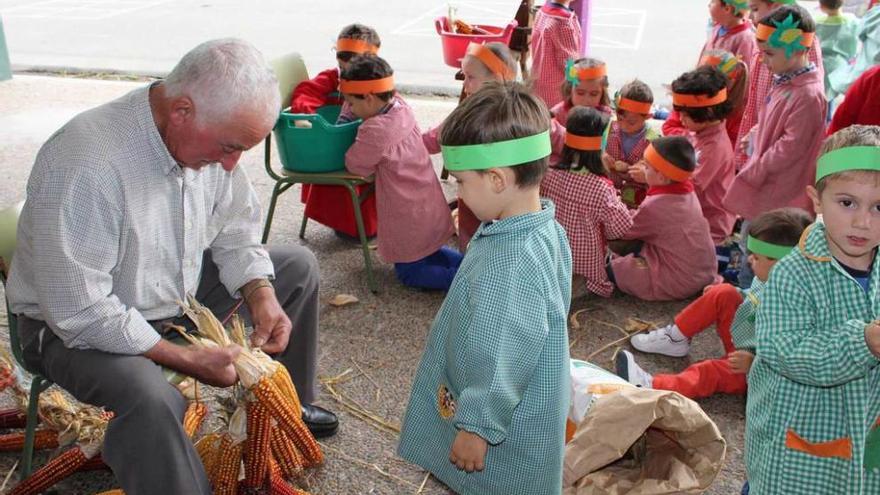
(8, 225)
(319, 158)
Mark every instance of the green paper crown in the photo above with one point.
(787, 36)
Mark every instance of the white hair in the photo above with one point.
(225, 76)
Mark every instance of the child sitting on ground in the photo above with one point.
(737, 74)
(585, 85)
(628, 139)
(331, 205)
(677, 257)
(790, 126)
(489, 400)
(813, 408)
(731, 30)
(771, 236)
(700, 96)
(481, 64)
(556, 39)
(414, 219)
(838, 34)
(586, 203)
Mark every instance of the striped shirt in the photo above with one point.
(113, 230)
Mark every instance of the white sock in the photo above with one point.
(675, 333)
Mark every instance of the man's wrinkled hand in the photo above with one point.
(213, 365)
(271, 324)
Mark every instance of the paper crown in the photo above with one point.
(640, 107)
(490, 60)
(849, 158)
(726, 63)
(383, 85)
(355, 46)
(664, 166)
(739, 5)
(575, 74)
(786, 35)
(498, 154)
(699, 101)
(768, 249)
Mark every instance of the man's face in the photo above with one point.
(195, 144)
(850, 208)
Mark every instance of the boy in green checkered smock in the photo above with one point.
(813, 411)
(487, 410)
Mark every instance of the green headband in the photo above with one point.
(775, 251)
(499, 154)
(738, 4)
(850, 158)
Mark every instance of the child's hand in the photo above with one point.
(305, 124)
(608, 161)
(708, 288)
(468, 451)
(621, 166)
(637, 173)
(872, 337)
(740, 361)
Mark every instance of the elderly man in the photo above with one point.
(131, 206)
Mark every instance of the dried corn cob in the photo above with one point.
(282, 379)
(94, 464)
(281, 487)
(208, 447)
(55, 470)
(257, 448)
(227, 468)
(43, 439)
(115, 491)
(193, 418)
(289, 421)
(13, 418)
(289, 460)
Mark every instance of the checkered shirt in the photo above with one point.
(497, 363)
(632, 192)
(589, 209)
(556, 38)
(743, 327)
(113, 230)
(813, 377)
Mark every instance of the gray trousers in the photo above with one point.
(145, 444)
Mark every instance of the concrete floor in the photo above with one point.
(380, 339)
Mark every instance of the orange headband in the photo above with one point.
(764, 32)
(664, 166)
(366, 87)
(591, 73)
(583, 143)
(634, 106)
(355, 46)
(490, 60)
(699, 101)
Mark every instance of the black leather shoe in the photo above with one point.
(321, 422)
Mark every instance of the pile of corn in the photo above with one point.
(266, 441)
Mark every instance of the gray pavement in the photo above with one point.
(380, 339)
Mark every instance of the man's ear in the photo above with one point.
(182, 110)
(813, 194)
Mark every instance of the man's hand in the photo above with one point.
(741, 361)
(468, 451)
(271, 325)
(872, 337)
(209, 365)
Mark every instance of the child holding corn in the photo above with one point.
(488, 403)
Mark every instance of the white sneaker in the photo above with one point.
(626, 367)
(668, 341)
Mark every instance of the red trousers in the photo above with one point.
(718, 305)
(331, 206)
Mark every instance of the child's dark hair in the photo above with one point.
(678, 151)
(357, 32)
(798, 14)
(782, 226)
(367, 68)
(854, 135)
(503, 53)
(567, 86)
(636, 90)
(584, 121)
(704, 80)
(500, 111)
(831, 4)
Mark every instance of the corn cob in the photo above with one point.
(289, 460)
(282, 380)
(208, 448)
(257, 448)
(94, 464)
(7, 378)
(13, 418)
(115, 491)
(43, 439)
(193, 418)
(227, 468)
(52, 472)
(289, 421)
(281, 487)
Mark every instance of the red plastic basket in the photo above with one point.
(455, 45)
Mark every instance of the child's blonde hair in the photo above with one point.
(586, 63)
(854, 135)
(503, 53)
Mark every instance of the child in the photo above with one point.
(737, 84)
(331, 205)
(771, 236)
(489, 400)
(556, 38)
(677, 257)
(731, 31)
(585, 85)
(790, 123)
(861, 104)
(414, 219)
(628, 139)
(586, 203)
(868, 56)
(839, 36)
(761, 80)
(481, 64)
(700, 96)
(813, 408)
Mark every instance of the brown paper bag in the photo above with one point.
(668, 445)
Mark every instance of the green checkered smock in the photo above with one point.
(497, 363)
(742, 330)
(814, 388)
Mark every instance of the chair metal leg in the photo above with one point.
(38, 385)
(355, 202)
(302, 227)
(276, 191)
